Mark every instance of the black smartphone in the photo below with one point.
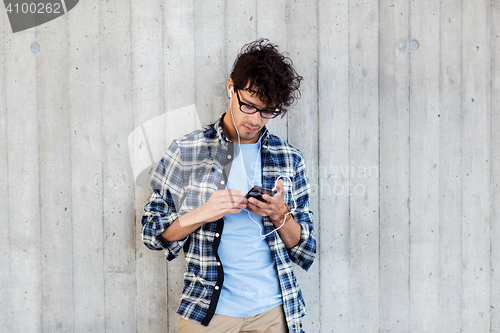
(257, 192)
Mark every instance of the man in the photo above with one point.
(239, 276)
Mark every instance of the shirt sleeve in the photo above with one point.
(304, 252)
(161, 210)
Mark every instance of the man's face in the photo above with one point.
(249, 125)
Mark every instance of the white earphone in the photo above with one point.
(275, 183)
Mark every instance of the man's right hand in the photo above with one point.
(223, 202)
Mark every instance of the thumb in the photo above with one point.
(279, 186)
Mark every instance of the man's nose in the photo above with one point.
(255, 118)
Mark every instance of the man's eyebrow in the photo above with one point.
(251, 104)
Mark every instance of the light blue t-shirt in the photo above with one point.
(251, 283)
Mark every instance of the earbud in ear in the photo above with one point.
(231, 92)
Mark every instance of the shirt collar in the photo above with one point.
(218, 129)
(222, 136)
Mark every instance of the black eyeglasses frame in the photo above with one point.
(274, 114)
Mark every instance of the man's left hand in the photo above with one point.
(274, 206)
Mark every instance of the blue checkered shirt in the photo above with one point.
(194, 167)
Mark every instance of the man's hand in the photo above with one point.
(274, 206)
(223, 202)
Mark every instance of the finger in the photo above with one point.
(279, 186)
(251, 207)
(233, 211)
(237, 195)
(271, 199)
(223, 208)
(257, 203)
(254, 209)
(231, 196)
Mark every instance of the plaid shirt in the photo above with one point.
(193, 168)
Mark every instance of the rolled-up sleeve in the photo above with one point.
(161, 210)
(304, 252)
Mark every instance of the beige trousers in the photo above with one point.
(271, 321)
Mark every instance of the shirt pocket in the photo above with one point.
(201, 183)
(287, 176)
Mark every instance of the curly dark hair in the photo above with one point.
(268, 73)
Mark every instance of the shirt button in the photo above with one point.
(218, 264)
(216, 287)
(216, 234)
(228, 157)
(222, 182)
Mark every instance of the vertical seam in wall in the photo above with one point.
(286, 48)
(440, 105)
(379, 195)
(440, 92)
(71, 177)
(225, 42)
(318, 150)
(194, 50)
(103, 218)
(492, 197)
(165, 87)
(255, 16)
(409, 162)
(461, 154)
(8, 188)
(349, 144)
(39, 182)
(133, 178)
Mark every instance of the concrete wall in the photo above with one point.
(402, 149)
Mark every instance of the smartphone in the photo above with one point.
(257, 192)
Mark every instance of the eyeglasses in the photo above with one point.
(248, 109)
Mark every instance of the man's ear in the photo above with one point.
(230, 87)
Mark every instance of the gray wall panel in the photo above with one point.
(476, 159)
(450, 170)
(363, 161)
(25, 243)
(302, 44)
(495, 169)
(415, 131)
(118, 190)
(210, 58)
(4, 188)
(86, 168)
(333, 161)
(424, 166)
(55, 177)
(394, 164)
(271, 22)
(180, 91)
(148, 102)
